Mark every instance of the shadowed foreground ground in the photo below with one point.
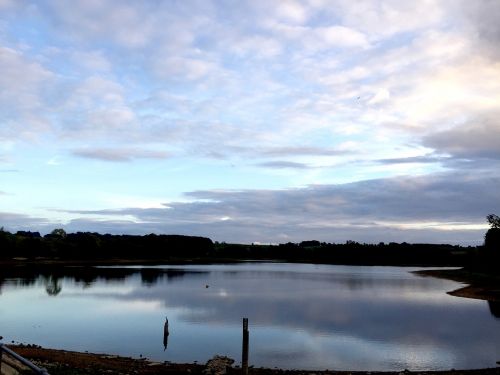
(62, 362)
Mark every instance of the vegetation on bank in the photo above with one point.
(98, 248)
(95, 247)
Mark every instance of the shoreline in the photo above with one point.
(59, 362)
(478, 285)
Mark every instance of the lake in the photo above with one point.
(301, 316)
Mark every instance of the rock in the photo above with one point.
(218, 365)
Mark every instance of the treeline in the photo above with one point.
(97, 247)
(355, 253)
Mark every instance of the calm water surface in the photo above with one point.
(301, 315)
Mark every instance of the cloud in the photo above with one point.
(478, 138)
(342, 36)
(128, 25)
(383, 19)
(439, 208)
(283, 165)
(315, 39)
(7, 4)
(95, 108)
(119, 155)
(292, 85)
(184, 68)
(22, 96)
(481, 17)
(381, 96)
(292, 11)
(15, 222)
(414, 159)
(92, 60)
(301, 151)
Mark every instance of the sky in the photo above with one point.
(251, 121)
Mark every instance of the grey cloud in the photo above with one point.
(290, 151)
(414, 159)
(283, 165)
(14, 222)
(119, 155)
(482, 17)
(479, 138)
(367, 211)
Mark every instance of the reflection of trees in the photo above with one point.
(152, 276)
(52, 286)
(494, 308)
(50, 276)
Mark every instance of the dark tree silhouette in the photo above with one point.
(492, 241)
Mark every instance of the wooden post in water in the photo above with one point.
(244, 350)
(1, 352)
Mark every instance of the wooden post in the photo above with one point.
(165, 334)
(244, 351)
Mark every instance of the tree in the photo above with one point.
(494, 221)
(59, 232)
(492, 241)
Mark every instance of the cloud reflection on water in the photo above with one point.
(342, 317)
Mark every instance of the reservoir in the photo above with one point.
(301, 316)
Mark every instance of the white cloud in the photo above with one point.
(382, 19)
(128, 25)
(184, 68)
(94, 107)
(380, 96)
(342, 36)
(92, 60)
(311, 40)
(292, 11)
(20, 79)
(22, 96)
(286, 11)
(256, 46)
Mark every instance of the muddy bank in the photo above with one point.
(63, 362)
(479, 285)
(69, 362)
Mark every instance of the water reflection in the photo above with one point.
(52, 276)
(53, 285)
(494, 308)
(364, 318)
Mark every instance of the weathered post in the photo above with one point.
(244, 351)
(165, 334)
(1, 353)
